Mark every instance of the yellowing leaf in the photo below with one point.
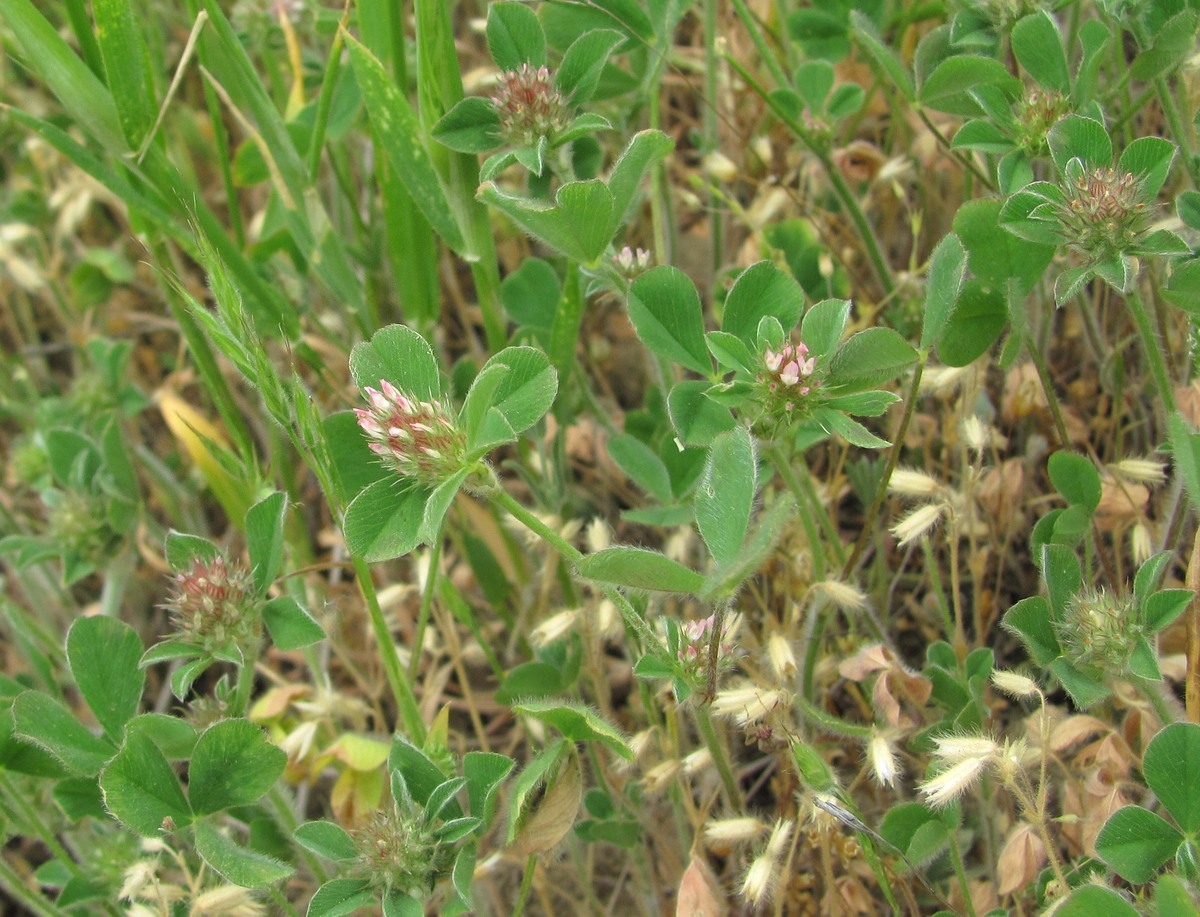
(360, 753)
(199, 437)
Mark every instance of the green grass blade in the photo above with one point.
(52, 61)
(81, 27)
(224, 57)
(127, 64)
(399, 132)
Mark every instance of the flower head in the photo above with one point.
(399, 851)
(213, 605)
(696, 638)
(631, 262)
(1037, 112)
(1099, 629)
(417, 439)
(529, 105)
(1104, 209)
(787, 380)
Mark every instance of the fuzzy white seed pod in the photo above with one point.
(976, 434)
(597, 535)
(720, 167)
(842, 596)
(783, 659)
(953, 782)
(885, 767)
(734, 831)
(909, 483)
(555, 627)
(917, 524)
(1015, 684)
(747, 705)
(952, 749)
(1141, 471)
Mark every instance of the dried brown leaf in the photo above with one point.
(1075, 729)
(1121, 503)
(1023, 856)
(699, 893)
(895, 685)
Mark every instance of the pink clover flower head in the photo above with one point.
(415, 438)
(697, 634)
(631, 262)
(790, 372)
(529, 105)
(791, 364)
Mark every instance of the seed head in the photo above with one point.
(1015, 684)
(953, 782)
(1099, 629)
(1141, 471)
(733, 830)
(399, 852)
(763, 878)
(910, 483)
(1104, 209)
(417, 439)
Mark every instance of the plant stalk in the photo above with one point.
(406, 701)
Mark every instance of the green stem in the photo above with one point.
(1178, 128)
(935, 580)
(431, 581)
(281, 902)
(439, 88)
(35, 825)
(834, 725)
(564, 334)
(810, 506)
(1150, 344)
(325, 99)
(245, 681)
(713, 742)
(526, 885)
(1043, 371)
(760, 44)
(865, 231)
(1153, 693)
(285, 817)
(965, 161)
(961, 873)
(910, 406)
(402, 690)
(660, 198)
(711, 127)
